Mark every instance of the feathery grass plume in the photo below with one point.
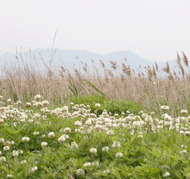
(149, 71)
(156, 65)
(139, 75)
(113, 65)
(182, 71)
(103, 65)
(106, 77)
(50, 73)
(178, 59)
(167, 68)
(110, 73)
(61, 74)
(124, 68)
(180, 65)
(170, 77)
(122, 77)
(154, 73)
(63, 69)
(77, 73)
(185, 60)
(129, 72)
(85, 69)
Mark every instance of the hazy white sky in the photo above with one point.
(153, 29)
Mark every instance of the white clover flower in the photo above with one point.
(23, 161)
(183, 151)
(106, 148)
(88, 122)
(65, 109)
(2, 159)
(6, 148)
(9, 176)
(74, 145)
(187, 133)
(53, 112)
(19, 102)
(9, 101)
(43, 135)
(61, 139)
(140, 135)
(45, 102)
(51, 135)
(7, 142)
(15, 153)
(33, 169)
(110, 132)
(93, 150)
(2, 140)
(166, 174)
(1, 121)
(44, 144)
(164, 107)
(184, 146)
(106, 171)
(21, 151)
(87, 164)
(119, 154)
(0, 153)
(25, 139)
(97, 105)
(67, 130)
(38, 97)
(80, 171)
(116, 144)
(184, 112)
(96, 163)
(1, 97)
(30, 121)
(78, 123)
(36, 133)
(28, 104)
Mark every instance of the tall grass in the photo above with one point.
(145, 88)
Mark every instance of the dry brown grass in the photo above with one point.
(151, 92)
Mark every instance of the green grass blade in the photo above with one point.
(93, 86)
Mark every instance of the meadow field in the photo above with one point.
(111, 125)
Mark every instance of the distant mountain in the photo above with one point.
(71, 59)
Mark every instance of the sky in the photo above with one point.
(153, 29)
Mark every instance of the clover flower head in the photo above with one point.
(15, 153)
(44, 144)
(93, 150)
(80, 171)
(119, 154)
(87, 164)
(106, 148)
(166, 174)
(106, 171)
(51, 135)
(67, 130)
(25, 139)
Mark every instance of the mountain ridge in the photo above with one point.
(78, 58)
